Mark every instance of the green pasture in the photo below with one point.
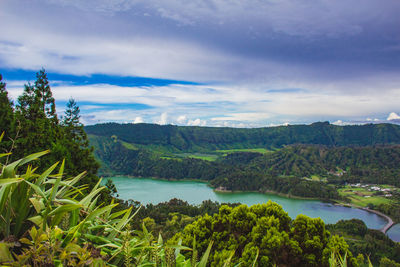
(363, 197)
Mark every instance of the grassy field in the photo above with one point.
(128, 145)
(174, 158)
(362, 197)
(316, 178)
(257, 150)
(209, 157)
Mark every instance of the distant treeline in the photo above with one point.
(185, 138)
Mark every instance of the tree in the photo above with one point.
(6, 116)
(75, 139)
(263, 233)
(72, 114)
(44, 97)
(36, 114)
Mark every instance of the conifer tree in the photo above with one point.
(77, 142)
(36, 114)
(71, 121)
(6, 117)
(44, 97)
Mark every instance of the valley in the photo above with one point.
(318, 161)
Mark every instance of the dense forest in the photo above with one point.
(194, 139)
(54, 212)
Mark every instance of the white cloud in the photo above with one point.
(163, 119)
(86, 37)
(340, 123)
(253, 116)
(182, 119)
(393, 116)
(138, 120)
(217, 104)
(197, 122)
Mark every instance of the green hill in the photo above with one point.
(200, 139)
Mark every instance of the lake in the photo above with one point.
(154, 191)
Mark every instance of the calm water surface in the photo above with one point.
(155, 191)
(394, 232)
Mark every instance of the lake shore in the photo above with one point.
(224, 190)
(266, 192)
(390, 221)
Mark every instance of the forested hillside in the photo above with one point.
(194, 139)
(302, 169)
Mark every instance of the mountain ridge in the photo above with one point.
(200, 138)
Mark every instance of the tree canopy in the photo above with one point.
(265, 234)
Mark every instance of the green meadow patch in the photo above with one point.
(255, 150)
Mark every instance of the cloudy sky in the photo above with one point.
(209, 62)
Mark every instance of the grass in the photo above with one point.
(172, 158)
(257, 150)
(129, 145)
(362, 197)
(208, 157)
(315, 178)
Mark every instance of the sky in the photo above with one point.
(229, 63)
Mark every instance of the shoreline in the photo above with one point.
(384, 229)
(218, 190)
(390, 221)
(158, 179)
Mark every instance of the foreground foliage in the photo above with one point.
(47, 221)
(264, 234)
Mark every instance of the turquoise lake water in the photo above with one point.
(155, 191)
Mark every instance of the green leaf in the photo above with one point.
(255, 259)
(123, 221)
(86, 200)
(38, 220)
(9, 170)
(37, 204)
(4, 154)
(228, 261)
(46, 173)
(204, 259)
(37, 190)
(65, 208)
(5, 254)
(8, 181)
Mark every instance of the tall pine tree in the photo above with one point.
(6, 118)
(44, 96)
(36, 114)
(78, 144)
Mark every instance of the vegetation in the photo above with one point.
(47, 221)
(264, 234)
(201, 139)
(291, 170)
(362, 240)
(362, 197)
(33, 125)
(56, 214)
(255, 150)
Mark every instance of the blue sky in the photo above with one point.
(209, 62)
